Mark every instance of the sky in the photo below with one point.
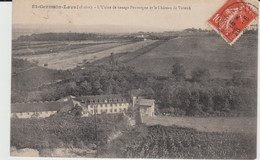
(159, 19)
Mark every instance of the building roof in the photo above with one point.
(66, 108)
(113, 98)
(37, 107)
(143, 106)
(146, 102)
(137, 92)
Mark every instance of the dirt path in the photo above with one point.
(210, 124)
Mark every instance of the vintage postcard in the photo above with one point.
(134, 79)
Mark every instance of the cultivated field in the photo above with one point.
(221, 59)
(67, 55)
(209, 124)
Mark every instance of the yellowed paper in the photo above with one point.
(133, 79)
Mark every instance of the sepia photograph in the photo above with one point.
(134, 79)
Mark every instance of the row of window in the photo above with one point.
(110, 110)
(106, 105)
(106, 101)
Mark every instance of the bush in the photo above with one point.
(62, 130)
(200, 74)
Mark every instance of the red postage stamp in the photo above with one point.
(232, 18)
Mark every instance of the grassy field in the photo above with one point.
(209, 124)
(221, 59)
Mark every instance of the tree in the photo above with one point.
(86, 86)
(70, 88)
(200, 74)
(96, 87)
(178, 71)
(109, 88)
(77, 111)
(112, 59)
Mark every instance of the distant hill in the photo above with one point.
(19, 29)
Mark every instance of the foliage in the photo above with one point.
(200, 74)
(175, 142)
(201, 96)
(178, 71)
(64, 130)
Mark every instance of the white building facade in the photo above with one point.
(107, 104)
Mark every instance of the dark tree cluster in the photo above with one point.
(177, 94)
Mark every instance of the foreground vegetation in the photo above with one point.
(64, 130)
(175, 142)
(68, 131)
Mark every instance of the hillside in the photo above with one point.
(27, 76)
(186, 75)
(155, 55)
(210, 52)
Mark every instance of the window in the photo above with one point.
(92, 111)
(115, 110)
(91, 106)
(111, 110)
(101, 110)
(120, 109)
(106, 110)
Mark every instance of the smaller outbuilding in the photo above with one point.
(144, 106)
(35, 109)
